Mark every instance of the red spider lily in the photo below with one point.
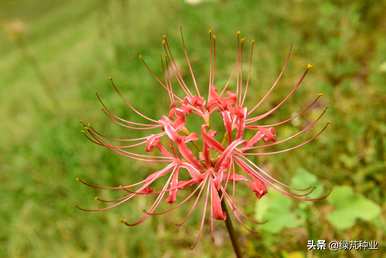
(209, 162)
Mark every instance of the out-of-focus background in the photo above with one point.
(56, 54)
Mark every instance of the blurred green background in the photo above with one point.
(56, 54)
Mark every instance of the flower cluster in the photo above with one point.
(212, 163)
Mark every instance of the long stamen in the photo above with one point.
(203, 216)
(299, 114)
(194, 205)
(135, 156)
(302, 197)
(169, 84)
(275, 83)
(154, 206)
(109, 113)
(239, 65)
(168, 81)
(124, 187)
(241, 72)
(97, 198)
(157, 78)
(239, 215)
(168, 78)
(138, 192)
(212, 59)
(211, 214)
(110, 201)
(179, 78)
(187, 59)
(167, 88)
(249, 72)
(90, 138)
(304, 130)
(104, 187)
(227, 83)
(234, 182)
(226, 182)
(200, 186)
(120, 139)
(289, 149)
(294, 89)
(102, 142)
(261, 174)
(171, 188)
(129, 104)
(117, 120)
(124, 123)
(130, 145)
(121, 201)
(141, 156)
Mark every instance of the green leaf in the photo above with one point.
(304, 179)
(275, 210)
(349, 207)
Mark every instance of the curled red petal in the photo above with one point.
(258, 187)
(217, 211)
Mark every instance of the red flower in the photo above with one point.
(212, 163)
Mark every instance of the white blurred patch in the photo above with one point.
(194, 2)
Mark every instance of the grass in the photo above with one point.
(79, 45)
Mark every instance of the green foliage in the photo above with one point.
(350, 206)
(279, 211)
(276, 211)
(304, 179)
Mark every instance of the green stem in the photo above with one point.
(231, 231)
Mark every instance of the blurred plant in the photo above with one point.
(275, 209)
(350, 206)
(16, 32)
(210, 160)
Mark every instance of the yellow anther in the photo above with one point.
(309, 66)
(185, 130)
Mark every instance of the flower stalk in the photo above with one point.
(231, 231)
